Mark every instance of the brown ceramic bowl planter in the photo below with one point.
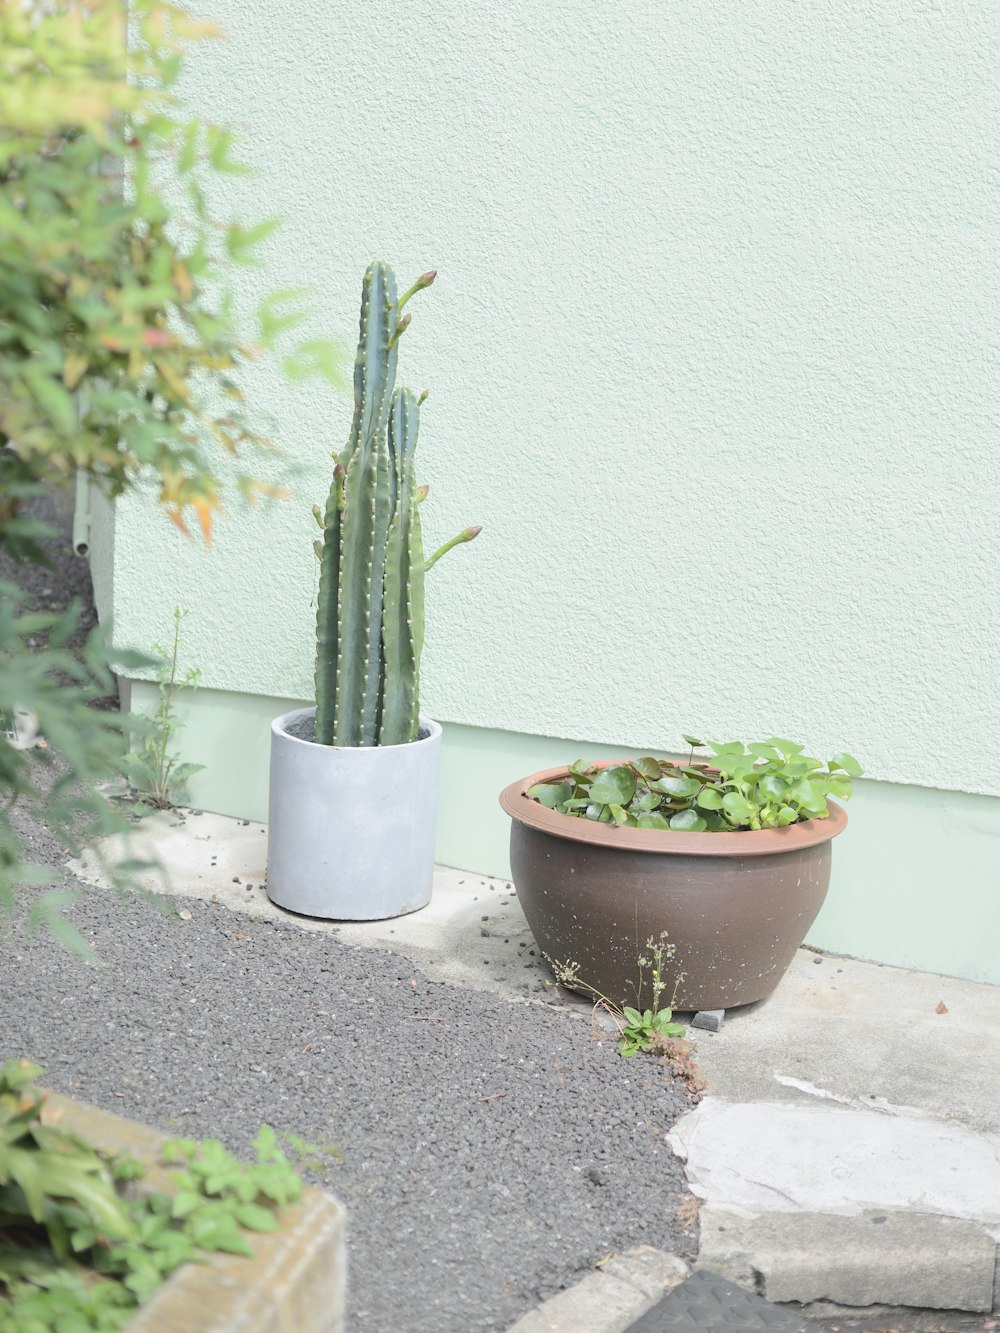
(736, 906)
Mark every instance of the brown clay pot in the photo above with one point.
(735, 906)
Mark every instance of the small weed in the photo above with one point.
(636, 1026)
(652, 1029)
(679, 1054)
(154, 772)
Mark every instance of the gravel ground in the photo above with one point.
(492, 1152)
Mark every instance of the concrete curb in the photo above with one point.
(887, 1257)
(295, 1282)
(610, 1299)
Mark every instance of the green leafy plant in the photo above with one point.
(370, 618)
(154, 771)
(79, 1253)
(56, 752)
(120, 356)
(637, 1027)
(768, 784)
(120, 352)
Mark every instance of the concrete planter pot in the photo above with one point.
(736, 906)
(351, 829)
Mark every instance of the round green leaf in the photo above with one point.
(690, 740)
(551, 794)
(808, 796)
(773, 787)
(787, 748)
(848, 763)
(672, 785)
(647, 768)
(737, 806)
(643, 803)
(614, 785)
(709, 799)
(652, 821)
(764, 751)
(688, 821)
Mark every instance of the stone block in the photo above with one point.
(295, 1282)
(610, 1299)
(873, 1258)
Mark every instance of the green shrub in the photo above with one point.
(76, 1252)
(120, 355)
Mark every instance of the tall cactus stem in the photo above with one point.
(370, 613)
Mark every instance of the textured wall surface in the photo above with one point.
(712, 356)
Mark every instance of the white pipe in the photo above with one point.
(81, 514)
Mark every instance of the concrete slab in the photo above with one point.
(872, 1258)
(860, 1034)
(767, 1157)
(472, 933)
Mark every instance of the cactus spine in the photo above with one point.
(370, 616)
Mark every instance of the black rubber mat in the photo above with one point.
(705, 1301)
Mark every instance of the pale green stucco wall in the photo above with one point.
(711, 356)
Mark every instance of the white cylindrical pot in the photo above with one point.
(351, 829)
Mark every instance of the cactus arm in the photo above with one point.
(354, 596)
(326, 617)
(415, 618)
(399, 700)
(384, 504)
(397, 648)
(467, 535)
(375, 361)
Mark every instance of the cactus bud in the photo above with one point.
(401, 328)
(318, 548)
(423, 398)
(426, 279)
(420, 494)
(318, 516)
(466, 535)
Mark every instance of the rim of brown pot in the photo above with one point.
(740, 842)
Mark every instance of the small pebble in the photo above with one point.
(236, 879)
(817, 959)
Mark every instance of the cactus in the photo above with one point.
(370, 615)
